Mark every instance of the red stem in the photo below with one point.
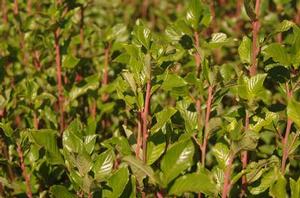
(82, 26)
(59, 79)
(255, 46)
(285, 145)
(4, 12)
(29, 6)
(227, 176)
(207, 116)
(139, 136)
(16, 7)
(35, 121)
(23, 168)
(238, 7)
(105, 73)
(144, 117)
(197, 55)
(245, 159)
(145, 8)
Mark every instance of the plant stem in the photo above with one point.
(23, 168)
(105, 72)
(29, 6)
(145, 5)
(197, 55)
(82, 26)
(244, 157)
(255, 46)
(139, 135)
(16, 7)
(227, 176)
(144, 117)
(238, 8)
(4, 12)
(206, 132)
(285, 145)
(59, 79)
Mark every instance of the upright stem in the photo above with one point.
(227, 176)
(245, 159)
(82, 26)
(207, 117)
(16, 7)
(145, 5)
(4, 12)
(29, 6)
(59, 79)
(238, 7)
(144, 117)
(105, 72)
(286, 136)
(139, 135)
(24, 173)
(252, 72)
(197, 55)
(255, 46)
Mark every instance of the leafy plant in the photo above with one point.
(148, 98)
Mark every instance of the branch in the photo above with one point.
(24, 173)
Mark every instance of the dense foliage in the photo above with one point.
(149, 98)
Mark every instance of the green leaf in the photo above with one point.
(248, 141)
(155, 147)
(142, 34)
(268, 179)
(117, 183)
(193, 13)
(104, 164)
(222, 154)
(69, 61)
(295, 188)
(260, 122)
(285, 25)
(162, 118)
(130, 79)
(278, 190)
(71, 139)
(140, 170)
(252, 88)
(92, 83)
(278, 53)
(245, 50)
(59, 191)
(178, 158)
(218, 40)
(249, 7)
(8, 131)
(172, 81)
(187, 183)
(293, 111)
(47, 138)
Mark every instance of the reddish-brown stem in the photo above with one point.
(197, 55)
(105, 72)
(4, 12)
(207, 117)
(93, 108)
(16, 7)
(238, 7)
(139, 135)
(29, 6)
(227, 176)
(36, 60)
(255, 45)
(24, 173)
(297, 17)
(145, 116)
(59, 78)
(159, 195)
(244, 157)
(82, 26)
(35, 121)
(285, 145)
(145, 5)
